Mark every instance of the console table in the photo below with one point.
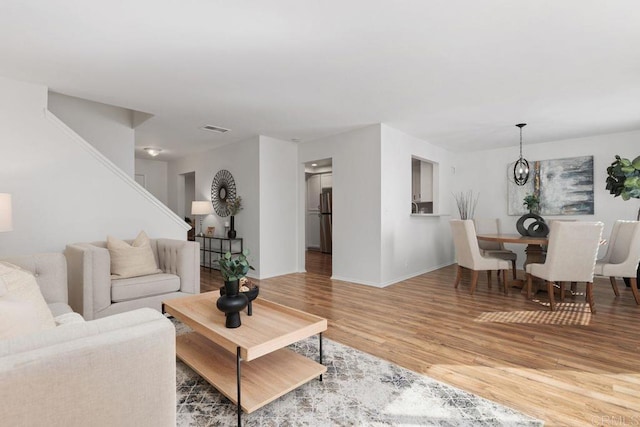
(212, 248)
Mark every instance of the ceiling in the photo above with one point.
(457, 73)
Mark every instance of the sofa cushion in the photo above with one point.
(21, 285)
(143, 286)
(17, 317)
(131, 260)
(68, 319)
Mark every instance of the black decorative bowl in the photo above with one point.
(251, 294)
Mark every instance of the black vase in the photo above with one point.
(231, 303)
(536, 229)
(232, 230)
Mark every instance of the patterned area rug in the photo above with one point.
(357, 390)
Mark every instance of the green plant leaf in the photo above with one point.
(632, 182)
(636, 163)
(627, 170)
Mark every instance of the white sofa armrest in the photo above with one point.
(118, 370)
(89, 276)
(181, 258)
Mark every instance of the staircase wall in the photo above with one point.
(64, 190)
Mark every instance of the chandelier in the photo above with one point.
(521, 168)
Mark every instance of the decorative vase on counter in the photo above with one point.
(232, 229)
(231, 303)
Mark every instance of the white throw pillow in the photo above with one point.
(131, 260)
(23, 303)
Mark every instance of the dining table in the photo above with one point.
(534, 251)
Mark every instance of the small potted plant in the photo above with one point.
(624, 178)
(532, 202)
(231, 301)
(233, 269)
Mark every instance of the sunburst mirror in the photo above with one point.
(223, 190)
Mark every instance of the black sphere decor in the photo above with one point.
(536, 229)
(231, 303)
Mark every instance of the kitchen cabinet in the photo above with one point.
(426, 182)
(421, 181)
(315, 184)
(313, 193)
(313, 230)
(415, 180)
(326, 180)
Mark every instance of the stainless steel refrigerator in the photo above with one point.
(325, 220)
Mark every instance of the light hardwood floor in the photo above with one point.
(564, 374)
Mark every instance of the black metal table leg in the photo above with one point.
(320, 352)
(238, 382)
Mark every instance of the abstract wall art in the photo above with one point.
(564, 187)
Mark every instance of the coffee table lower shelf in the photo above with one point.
(263, 379)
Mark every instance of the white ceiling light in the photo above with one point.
(153, 152)
(314, 164)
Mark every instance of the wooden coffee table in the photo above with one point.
(249, 364)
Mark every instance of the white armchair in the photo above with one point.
(95, 293)
(571, 257)
(469, 256)
(494, 249)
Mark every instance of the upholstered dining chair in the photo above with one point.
(622, 256)
(494, 249)
(571, 257)
(469, 256)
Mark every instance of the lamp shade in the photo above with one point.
(6, 223)
(201, 208)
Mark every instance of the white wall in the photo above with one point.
(155, 177)
(63, 190)
(108, 128)
(411, 244)
(241, 159)
(356, 202)
(278, 203)
(376, 240)
(486, 172)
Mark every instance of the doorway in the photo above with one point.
(319, 216)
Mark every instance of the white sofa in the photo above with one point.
(118, 370)
(94, 293)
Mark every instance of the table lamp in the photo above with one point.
(201, 208)
(6, 223)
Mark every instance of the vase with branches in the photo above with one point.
(234, 205)
(466, 203)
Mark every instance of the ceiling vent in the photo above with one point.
(214, 129)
